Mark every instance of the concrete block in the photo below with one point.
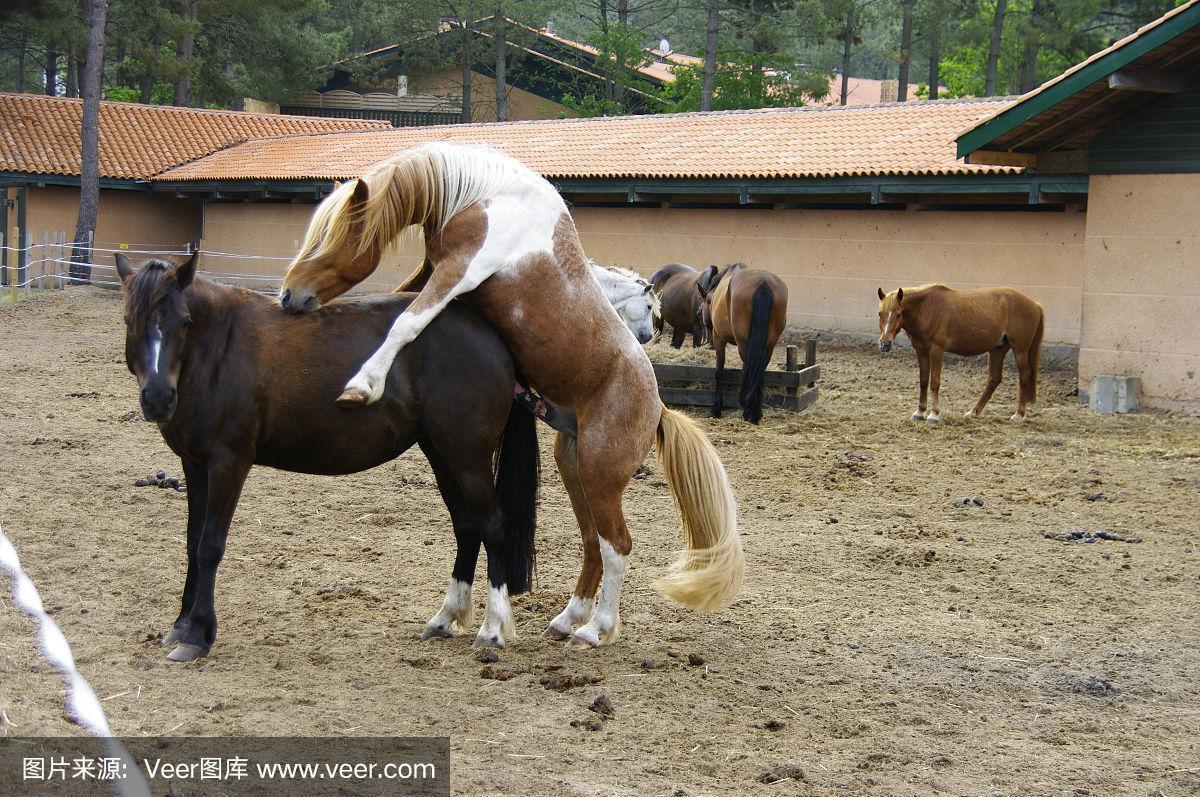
(1114, 393)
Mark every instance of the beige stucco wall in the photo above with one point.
(126, 219)
(1141, 292)
(833, 260)
(522, 105)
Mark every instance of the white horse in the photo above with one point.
(631, 296)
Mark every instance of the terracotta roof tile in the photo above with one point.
(895, 139)
(41, 135)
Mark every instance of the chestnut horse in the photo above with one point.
(939, 319)
(500, 237)
(232, 382)
(747, 307)
(676, 287)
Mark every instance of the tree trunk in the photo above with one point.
(847, 43)
(182, 94)
(993, 62)
(501, 68)
(72, 72)
(710, 55)
(95, 14)
(1027, 75)
(23, 46)
(467, 75)
(623, 15)
(51, 70)
(935, 62)
(906, 27)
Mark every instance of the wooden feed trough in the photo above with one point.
(677, 383)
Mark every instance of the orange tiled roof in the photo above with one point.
(41, 135)
(894, 139)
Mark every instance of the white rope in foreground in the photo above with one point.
(83, 707)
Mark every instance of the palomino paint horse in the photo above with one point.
(500, 237)
(676, 286)
(631, 296)
(747, 307)
(232, 382)
(939, 319)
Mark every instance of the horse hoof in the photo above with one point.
(918, 416)
(582, 642)
(185, 652)
(439, 631)
(1017, 418)
(934, 418)
(174, 636)
(353, 397)
(971, 414)
(483, 642)
(555, 633)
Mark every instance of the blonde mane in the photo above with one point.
(425, 186)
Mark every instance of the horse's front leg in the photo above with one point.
(195, 475)
(935, 382)
(226, 475)
(923, 366)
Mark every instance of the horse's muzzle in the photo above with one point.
(885, 346)
(158, 403)
(293, 304)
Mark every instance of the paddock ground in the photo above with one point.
(886, 643)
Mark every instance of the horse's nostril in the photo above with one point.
(285, 297)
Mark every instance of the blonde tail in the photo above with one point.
(709, 571)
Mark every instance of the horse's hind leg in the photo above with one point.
(923, 367)
(719, 394)
(583, 600)
(995, 375)
(455, 614)
(677, 336)
(935, 383)
(1026, 377)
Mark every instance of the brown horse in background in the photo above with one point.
(939, 319)
(675, 284)
(747, 307)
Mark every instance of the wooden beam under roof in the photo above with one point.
(1151, 80)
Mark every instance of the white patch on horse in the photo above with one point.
(455, 614)
(156, 340)
(578, 610)
(498, 624)
(887, 324)
(605, 624)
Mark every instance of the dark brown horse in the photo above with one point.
(232, 382)
(675, 285)
(939, 319)
(747, 307)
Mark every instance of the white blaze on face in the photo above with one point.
(156, 350)
(888, 323)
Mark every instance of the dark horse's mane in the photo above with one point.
(145, 290)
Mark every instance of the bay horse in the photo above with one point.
(501, 238)
(631, 296)
(747, 307)
(676, 287)
(939, 319)
(232, 382)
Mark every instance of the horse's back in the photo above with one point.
(977, 320)
(667, 272)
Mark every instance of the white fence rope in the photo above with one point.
(83, 707)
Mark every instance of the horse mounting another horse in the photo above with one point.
(499, 237)
(232, 382)
(747, 307)
(939, 319)
(681, 301)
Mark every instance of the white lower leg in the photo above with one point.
(605, 625)
(455, 614)
(578, 610)
(919, 415)
(498, 624)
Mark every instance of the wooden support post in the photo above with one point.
(12, 269)
(810, 352)
(792, 363)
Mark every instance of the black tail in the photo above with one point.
(518, 471)
(758, 355)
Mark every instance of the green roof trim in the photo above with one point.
(1015, 116)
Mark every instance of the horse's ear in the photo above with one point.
(337, 184)
(186, 270)
(899, 295)
(649, 288)
(881, 294)
(125, 269)
(361, 193)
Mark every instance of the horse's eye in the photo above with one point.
(187, 322)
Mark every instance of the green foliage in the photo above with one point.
(744, 80)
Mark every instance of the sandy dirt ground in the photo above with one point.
(887, 641)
